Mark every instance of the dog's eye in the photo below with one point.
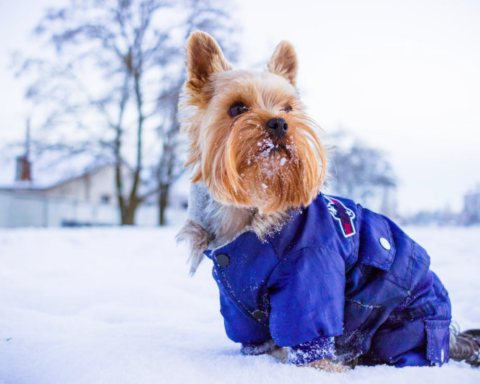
(237, 109)
(288, 108)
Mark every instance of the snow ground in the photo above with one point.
(117, 306)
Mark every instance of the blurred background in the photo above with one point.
(89, 132)
(89, 139)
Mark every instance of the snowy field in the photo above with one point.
(117, 306)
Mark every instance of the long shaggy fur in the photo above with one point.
(243, 177)
(198, 240)
(212, 225)
(465, 346)
(233, 157)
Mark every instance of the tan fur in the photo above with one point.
(247, 179)
(329, 366)
(235, 158)
(212, 225)
(281, 354)
(204, 58)
(284, 62)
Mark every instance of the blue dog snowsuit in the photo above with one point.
(337, 281)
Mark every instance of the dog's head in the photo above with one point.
(252, 144)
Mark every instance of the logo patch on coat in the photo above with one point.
(343, 215)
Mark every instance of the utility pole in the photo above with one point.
(27, 140)
(24, 167)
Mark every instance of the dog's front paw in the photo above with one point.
(329, 366)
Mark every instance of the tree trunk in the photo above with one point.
(162, 204)
(128, 216)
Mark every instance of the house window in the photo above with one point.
(105, 199)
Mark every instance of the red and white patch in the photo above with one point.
(343, 215)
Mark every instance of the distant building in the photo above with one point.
(72, 192)
(93, 184)
(86, 197)
(471, 206)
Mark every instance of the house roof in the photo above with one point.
(50, 172)
(47, 173)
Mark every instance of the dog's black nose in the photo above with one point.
(278, 127)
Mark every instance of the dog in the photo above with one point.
(311, 279)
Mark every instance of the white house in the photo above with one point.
(64, 196)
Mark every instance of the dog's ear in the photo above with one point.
(204, 58)
(284, 62)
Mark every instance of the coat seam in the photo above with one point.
(245, 309)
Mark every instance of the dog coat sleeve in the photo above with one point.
(307, 297)
(323, 347)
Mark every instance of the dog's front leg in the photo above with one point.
(328, 365)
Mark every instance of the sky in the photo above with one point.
(402, 75)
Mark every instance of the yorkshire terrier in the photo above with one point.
(311, 279)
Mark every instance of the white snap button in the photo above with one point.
(385, 244)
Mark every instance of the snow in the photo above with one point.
(116, 305)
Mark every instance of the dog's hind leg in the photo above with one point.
(465, 346)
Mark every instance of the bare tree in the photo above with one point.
(360, 172)
(109, 90)
(170, 165)
(208, 16)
